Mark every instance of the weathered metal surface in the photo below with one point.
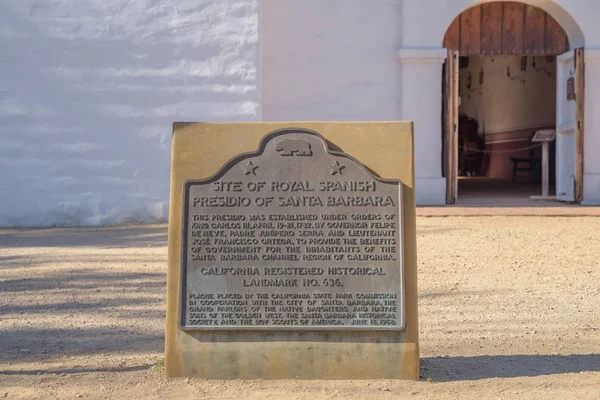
(293, 236)
(571, 89)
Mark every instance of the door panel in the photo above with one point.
(580, 90)
(566, 122)
(450, 123)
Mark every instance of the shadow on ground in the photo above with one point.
(448, 369)
(25, 345)
(115, 312)
(88, 279)
(60, 371)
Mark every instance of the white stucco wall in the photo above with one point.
(330, 60)
(89, 91)
(337, 60)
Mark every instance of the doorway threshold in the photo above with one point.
(557, 210)
(479, 196)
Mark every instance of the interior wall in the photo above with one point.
(502, 104)
(508, 109)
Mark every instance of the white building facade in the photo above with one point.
(89, 89)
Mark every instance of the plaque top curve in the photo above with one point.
(263, 144)
(292, 236)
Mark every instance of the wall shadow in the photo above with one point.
(450, 369)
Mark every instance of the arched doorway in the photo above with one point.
(510, 72)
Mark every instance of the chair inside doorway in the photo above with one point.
(529, 169)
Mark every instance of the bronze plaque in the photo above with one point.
(571, 89)
(293, 236)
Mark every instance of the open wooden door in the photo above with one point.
(580, 91)
(569, 126)
(450, 126)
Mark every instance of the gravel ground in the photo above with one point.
(509, 308)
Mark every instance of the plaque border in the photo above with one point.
(220, 172)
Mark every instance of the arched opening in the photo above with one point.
(506, 28)
(507, 78)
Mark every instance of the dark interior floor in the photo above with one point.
(486, 192)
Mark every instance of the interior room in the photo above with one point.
(503, 101)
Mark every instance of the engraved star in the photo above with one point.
(336, 168)
(250, 168)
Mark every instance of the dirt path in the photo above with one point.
(509, 308)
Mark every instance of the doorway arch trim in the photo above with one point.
(557, 12)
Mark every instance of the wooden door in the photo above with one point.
(450, 126)
(569, 126)
(505, 28)
(580, 91)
